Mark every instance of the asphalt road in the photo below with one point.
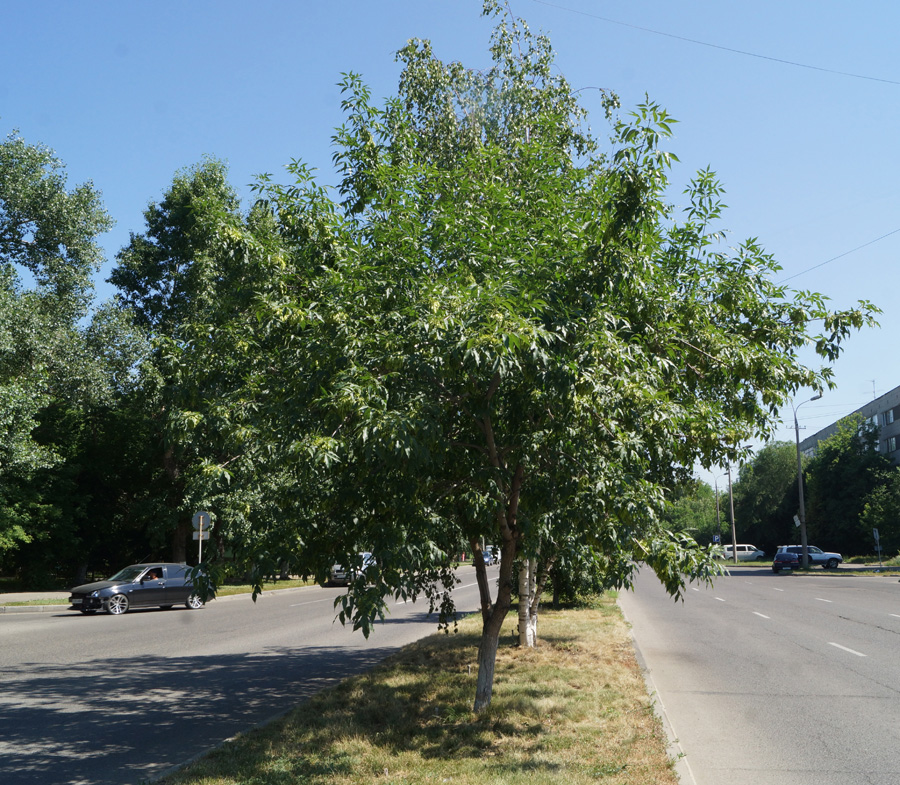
(103, 700)
(785, 679)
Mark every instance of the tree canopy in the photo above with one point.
(54, 363)
(842, 477)
(498, 331)
(766, 497)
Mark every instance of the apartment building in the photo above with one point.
(883, 412)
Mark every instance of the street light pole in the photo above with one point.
(734, 552)
(718, 519)
(804, 545)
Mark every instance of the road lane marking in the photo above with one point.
(695, 588)
(311, 602)
(895, 615)
(761, 615)
(720, 599)
(844, 648)
(821, 600)
(456, 588)
(778, 589)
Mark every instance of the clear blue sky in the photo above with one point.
(795, 105)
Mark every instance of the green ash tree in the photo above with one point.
(497, 331)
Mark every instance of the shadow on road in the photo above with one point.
(93, 722)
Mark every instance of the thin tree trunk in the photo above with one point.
(524, 601)
(487, 659)
(528, 603)
(493, 615)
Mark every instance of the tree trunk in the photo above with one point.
(179, 542)
(527, 604)
(487, 659)
(493, 615)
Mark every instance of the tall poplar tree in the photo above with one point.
(49, 253)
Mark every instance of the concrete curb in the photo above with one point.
(679, 757)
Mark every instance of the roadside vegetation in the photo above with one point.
(572, 710)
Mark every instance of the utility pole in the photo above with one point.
(804, 545)
(733, 530)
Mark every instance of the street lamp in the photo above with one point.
(804, 546)
(734, 552)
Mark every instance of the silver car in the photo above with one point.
(827, 560)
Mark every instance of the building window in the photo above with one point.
(888, 417)
(891, 444)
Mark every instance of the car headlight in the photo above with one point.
(95, 594)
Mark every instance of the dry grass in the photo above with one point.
(574, 710)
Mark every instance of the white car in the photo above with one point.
(342, 576)
(744, 553)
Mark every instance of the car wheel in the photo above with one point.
(831, 564)
(194, 602)
(117, 604)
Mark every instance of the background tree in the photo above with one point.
(165, 276)
(501, 334)
(766, 498)
(692, 510)
(55, 366)
(881, 510)
(846, 470)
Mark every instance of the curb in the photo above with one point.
(680, 764)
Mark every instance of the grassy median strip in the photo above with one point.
(573, 710)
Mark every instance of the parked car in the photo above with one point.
(491, 555)
(785, 560)
(160, 584)
(342, 576)
(745, 553)
(825, 559)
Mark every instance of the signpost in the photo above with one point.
(201, 524)
(878, 546)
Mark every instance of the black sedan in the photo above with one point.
(160, 584)
(785, 560)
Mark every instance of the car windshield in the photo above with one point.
(128, 574)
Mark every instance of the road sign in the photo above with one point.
(201, 521)
(201, 535)
(796, 521)
(875, 534)
(716, 539)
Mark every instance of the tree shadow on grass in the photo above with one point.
(416, 705)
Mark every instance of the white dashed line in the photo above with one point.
(720, 599)
(761, 615)
(821, 600)
(778, 589)
(895, 615)
(844, 648)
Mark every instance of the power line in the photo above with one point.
(717, 46)
(839, 256)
